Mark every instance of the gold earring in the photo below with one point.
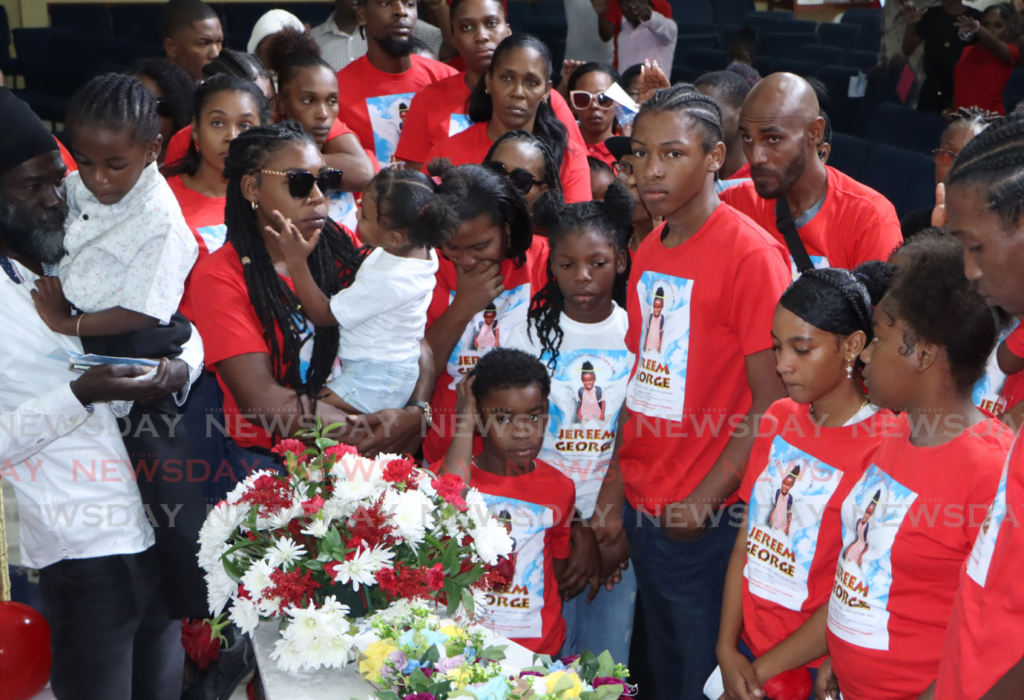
(849, 368)
(254, 206)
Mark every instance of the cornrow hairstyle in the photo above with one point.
(456, 4)
(237, 64)
(182, 14)
(407, 200)
(971, 117)
(117, 103)
(612, 219)
(831, 299)
(475, 190)
(701, 110)
(176, 84)
(552, 172)
(204, 93)
(733, 87)
(994, 159)
(506, 368)
(275, 304)
(940, 305)
(821, 92)
(290, 51)
(546, 126)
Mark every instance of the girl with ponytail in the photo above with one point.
(514, 94)
(810, 450)
(577, 328)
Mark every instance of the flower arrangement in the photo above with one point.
(417, 656)
(340, 536)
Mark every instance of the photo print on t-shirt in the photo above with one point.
(985, 545)
(487, 329)
(213, 236)
(786, 506)
(458, 123)
(387, 114)
(987, 390)
(820, 262)
(341, 208)
(659, 386)
(871, 518)
(514, 611)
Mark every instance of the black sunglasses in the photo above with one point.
(300, 182)
(522, 180)
(163, 108)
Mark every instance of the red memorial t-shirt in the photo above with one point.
(908, 525)
(538, 509)
(205, 218)
(793, 526)
(979, 78)
(695, 311)
(178, 145)
(376, 103)
(479, 337)
(986, 630)
(742, 174)
(229, 326)
(855, 224)
(472, 144)
(439, 111)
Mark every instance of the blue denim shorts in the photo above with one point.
(372, 385)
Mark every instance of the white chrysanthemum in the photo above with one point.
(284, 553)
(280, 519)
(318, 528)
(245, 615)
(257, 578)
(306, 625)
(352, 467)
(287, 656)
(478, 510)
(491, 541)
(339, 650)
(364, 639)
(331, 606)
(210, 554)
(219, 587)
(221, 523)
(411, 513)
(424, 484)
(352, 491)
(360, 569)
(269, 607)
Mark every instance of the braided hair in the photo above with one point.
(475, 190)
(831, 299)
(552, 174)
(204, 93)
(177, 86)
(407, 200)
(612, 219)
(117, 103)
(824, 102)
(994, 159)
(333, 263)
(971, 116)
(237, 64)
(546, 126)
(701, 110)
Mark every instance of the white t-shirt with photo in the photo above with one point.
(584, 414)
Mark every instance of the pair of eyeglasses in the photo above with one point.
(581, 99)
(300, 182)
(944, 153)
(163, 108)
(522, 180)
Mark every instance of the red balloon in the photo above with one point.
(24, 651)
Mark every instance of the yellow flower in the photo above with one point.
(573, 692)
(460, 677)
(375, 655)
(451, 630)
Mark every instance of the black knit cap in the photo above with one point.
(23, 135)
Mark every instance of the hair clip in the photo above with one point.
(246, 260)
(436, 179)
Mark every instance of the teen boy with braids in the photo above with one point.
(692, 404)
(983, 656)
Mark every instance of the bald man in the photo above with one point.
(841, 222)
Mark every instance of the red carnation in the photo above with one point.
(296, 447)
(339, 451)
(435, 577)
(331, 568)
(199, 642)
(398, 470)
(449, 487)
(387, 580)
(313, 505)
(354, 544)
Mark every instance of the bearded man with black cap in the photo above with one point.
(82, 521)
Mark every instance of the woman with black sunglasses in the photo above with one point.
(527, 162)
(270, 360)
(514, 94)
(594, 109)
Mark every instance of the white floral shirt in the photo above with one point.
(135, 254)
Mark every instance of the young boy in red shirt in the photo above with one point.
(506, 396)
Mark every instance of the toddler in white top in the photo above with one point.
(128, 247)
(383, 314)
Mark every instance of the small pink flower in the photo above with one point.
(313, 505)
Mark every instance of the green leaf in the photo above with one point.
(313, 565)
(324, 443)
(471, 576)
(563, 684)
(333, 426)
(451, 563)
(386, 695)
(605, 665)
(494, 653)
(430, 656)
(419, 678)
(453, 604)
(461, 694)
(467, 600)
(234, 570)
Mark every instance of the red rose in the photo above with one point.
(435, 577)
(313, 505)
(200, 644)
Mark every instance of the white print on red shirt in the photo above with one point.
(458, 123)
(658, 387)
(871, 516)
(985, 545)
(387, 114)
(489, 329)
(786, 506)
(819, 261)
(515, 610)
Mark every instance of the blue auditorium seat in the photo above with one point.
(85, 20)
(1014, 90)
(897, 125)
(870, 24)
(797, 26)
(790, 65)
(843, 36)
(848, 154)
(691, 11)
(139, 23)
(822, 55)
(785, 45)
(842, 107)
(704, 60)
(905, 178)
(731, 11)
(860, 59)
